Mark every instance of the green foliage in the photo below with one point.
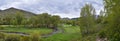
(101, 17)
(12, 37)
(102, 34)
(40, 20)
(89, 38)
(6, 19)
(45, 20)
(113, 15)
(35, 36)
(55, 20)
(25, 38)
(87, 19)
(12, 19)
(19, 18)
(2, 35)
(1, 27)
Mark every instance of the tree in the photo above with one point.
(112, 9)
(87, 19)
(44, 19)
(18, 18)
(7, 19)
(55, 20)
(100, 17)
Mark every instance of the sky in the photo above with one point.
(63, 8)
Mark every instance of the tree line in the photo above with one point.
(39, 20)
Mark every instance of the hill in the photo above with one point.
(12, 11)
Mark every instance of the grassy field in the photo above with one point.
(71, 33)
(27, 30)
(71, 29)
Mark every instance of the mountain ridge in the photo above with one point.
(13, 10)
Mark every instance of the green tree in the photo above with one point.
(6, 20)
(55, 20)
(41, 20)
(100, 17)
(18, 18)
(44, 19)
(112, 8)
(87, 18)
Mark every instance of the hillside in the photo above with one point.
(12, 10)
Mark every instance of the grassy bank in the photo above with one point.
(71, 33)
(27, 30)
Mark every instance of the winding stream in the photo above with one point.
(55, 31)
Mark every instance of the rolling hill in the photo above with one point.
(12, 11)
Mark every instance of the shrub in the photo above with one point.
(12, 37)
(25, 38)
(2, 35)
(1, 28)
(102, 34)
(35, 36)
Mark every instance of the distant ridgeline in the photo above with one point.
(12, 11)
(13, 16)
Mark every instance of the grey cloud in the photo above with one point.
(67, 8)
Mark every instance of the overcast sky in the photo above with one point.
(63, 8)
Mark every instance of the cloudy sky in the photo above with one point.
(64, 8)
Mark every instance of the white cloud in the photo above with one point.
(63, 15)
(30, 2)
(16, 4)
(64, 8)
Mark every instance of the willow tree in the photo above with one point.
(112, 8)
(87, 19)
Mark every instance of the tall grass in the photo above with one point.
(14, 37)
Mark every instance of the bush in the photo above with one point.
(102, 34)
(35, 36)
(89, 38)
(1, 28)
(12, 37)
(2, 35)
(25, 38)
